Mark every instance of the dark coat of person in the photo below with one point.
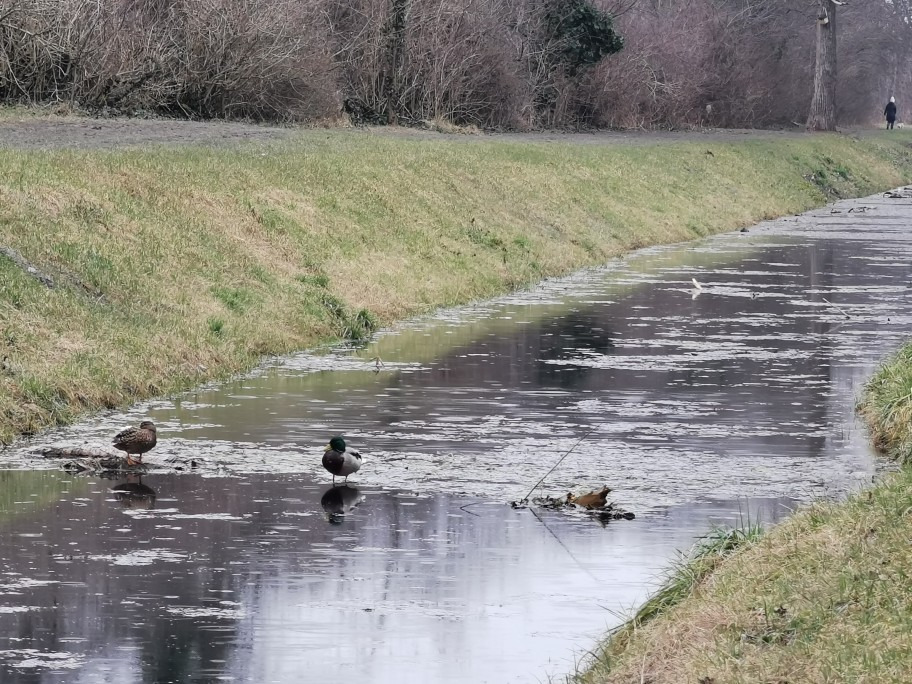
(890, 112)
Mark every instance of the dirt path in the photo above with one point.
(37, 132)
(602, 137)
(84, 133)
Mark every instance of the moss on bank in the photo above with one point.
(177, 265)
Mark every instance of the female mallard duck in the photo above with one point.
(136, 441)
(340, 461)
(591, 500)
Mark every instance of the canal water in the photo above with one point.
(234, 558)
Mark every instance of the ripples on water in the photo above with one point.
(704, 407)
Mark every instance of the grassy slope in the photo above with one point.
(887, 406)
(182, 264)
(824, 597)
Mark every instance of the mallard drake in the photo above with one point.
(338, 460)
(136, 441)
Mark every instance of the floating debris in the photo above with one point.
(215, 613)
(594, 503)
(842, 311)
(141, 557)
(109, 465)
(76, 452)
(32, 659)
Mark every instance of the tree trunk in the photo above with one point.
(395, 52)
(822, 116)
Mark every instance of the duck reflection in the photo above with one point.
(339, 500)
(134, 494)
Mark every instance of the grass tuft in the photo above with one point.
(216, 325)
(683, 578)
(236, 299)
(320, 280)
(887, 406)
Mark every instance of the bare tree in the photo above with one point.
(822, 116)
(490, 63)
(395, 54)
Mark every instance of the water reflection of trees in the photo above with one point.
(412, 551)
(97, 607)
(576, 334)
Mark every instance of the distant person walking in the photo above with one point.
(890, 112)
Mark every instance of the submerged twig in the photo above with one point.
(565, 547)
(464, 509)
(836, 307)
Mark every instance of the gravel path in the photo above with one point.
(85, 133)
(80, 133)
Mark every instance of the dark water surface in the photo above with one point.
(701, 407)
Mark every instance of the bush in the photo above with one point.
(264, 59)
(488, 63)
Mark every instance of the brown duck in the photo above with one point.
(590, 500)
(136, 441)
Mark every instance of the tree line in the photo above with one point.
(501, 64)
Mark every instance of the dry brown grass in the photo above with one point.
(887, 406)
(822, 598)
(180, 265)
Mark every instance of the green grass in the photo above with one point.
(683, 578)
(824, 597)
(694, 568)
(180, 265)
(887, 406)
